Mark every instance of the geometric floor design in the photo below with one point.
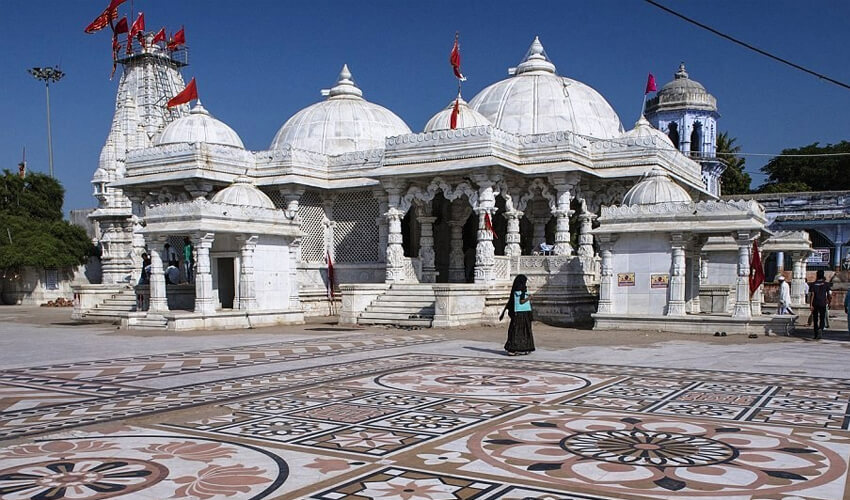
(424, 426)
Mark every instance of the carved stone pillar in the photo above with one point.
(742, 288)
(247, 280)
(158, 300)
(676, 299)
(695, 278)
(798, 279)
(606, 280)
(585, 237)
(204, 300)
(485, 253)
(426, 245)
(294, 259)
(512, 236)
(565, 184)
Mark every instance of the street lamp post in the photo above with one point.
(48, 76)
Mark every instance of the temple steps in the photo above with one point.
(120, 305)
(402, 305)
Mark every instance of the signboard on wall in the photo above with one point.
(659, 280)
(820, 257)
(625, 279)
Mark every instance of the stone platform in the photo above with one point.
(698, 323)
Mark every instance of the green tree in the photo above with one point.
(734, 179)
(32, 231)
(809, 173)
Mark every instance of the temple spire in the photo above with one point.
(535, 59)
(345, 86)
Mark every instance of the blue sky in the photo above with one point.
(259, 62)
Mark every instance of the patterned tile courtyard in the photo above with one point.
(319, 412)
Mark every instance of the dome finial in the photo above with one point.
(535, 59)
(345, 86)
(199, 109)
(681, 73)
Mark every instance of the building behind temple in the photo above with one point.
(423, 228)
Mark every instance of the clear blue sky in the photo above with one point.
(259, 62)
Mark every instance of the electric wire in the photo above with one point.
(747, 45)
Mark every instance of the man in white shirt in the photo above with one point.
(784, 297)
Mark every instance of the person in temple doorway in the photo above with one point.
(188, 259)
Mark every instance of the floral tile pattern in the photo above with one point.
(425, 426)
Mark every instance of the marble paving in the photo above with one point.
(413, 416)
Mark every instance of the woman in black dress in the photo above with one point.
(518, 307)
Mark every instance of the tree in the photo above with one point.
(32, 231)
(734, 179)
(809, 173)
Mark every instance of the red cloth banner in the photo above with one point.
(177, 40)
(488, 225)
(650, 84)
(455, 113)
(186, 95)
(105, 17)
(756, 269)
(138, 25)
(159, 37)
(121, 26)
(454, 60)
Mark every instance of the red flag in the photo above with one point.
(454, 60)
(331, 279)
(186, 95)
(488, 225)
(177, 40)
(159, 37)
(105, 17)
(455, 113)
(121, 26)
(756, 270)
(138, 24)
(650, 84)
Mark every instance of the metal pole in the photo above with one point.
(49, 137)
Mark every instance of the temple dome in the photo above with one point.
(536, 100)
(199, 126)
(467, 117)
(243, 193)
(656, 187)
(342, 123)
(644, 130)
(680, 93)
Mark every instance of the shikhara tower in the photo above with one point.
(150, 77)
(687, 113)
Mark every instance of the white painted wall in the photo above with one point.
(271, 271)
(644, 255)
(722, 268)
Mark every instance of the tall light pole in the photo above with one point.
(48, 76)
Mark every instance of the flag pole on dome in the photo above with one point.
(650, 87)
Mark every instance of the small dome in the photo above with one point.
(243, 193)
(535, 100)
(466, 117)
(682, 92)
(342, 123)
(643, 129)
(656, 187)
(199, 126)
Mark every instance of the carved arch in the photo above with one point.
(537, 186)
(437, 185)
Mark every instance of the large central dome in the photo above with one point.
(535, 100)
(342, 123)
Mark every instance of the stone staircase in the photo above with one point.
(119, 306)
(402, 305)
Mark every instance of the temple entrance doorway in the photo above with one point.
(226, 282)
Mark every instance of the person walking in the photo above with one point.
(520, 338)
(821, 296)
(784, 297)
